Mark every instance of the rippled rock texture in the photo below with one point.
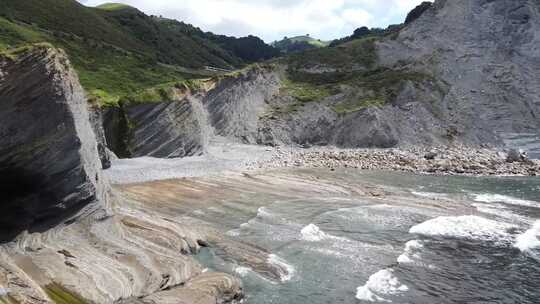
(71, 240)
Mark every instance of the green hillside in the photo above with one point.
(299, 44)
(117, 49)
(114, 6)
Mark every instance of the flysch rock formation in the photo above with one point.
(73, 240)
(489, 54)
(166, 129)
(479, 61)
(49, 159)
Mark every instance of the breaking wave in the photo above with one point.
(529, 240)
(312, 233)
(286, 271)
(465, 227)
(379, 285)
(497, 198)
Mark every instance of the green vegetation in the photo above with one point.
(60, 295)
(350, 65)
(360, 52)
(299, 44)
(303, 91)
(162, 92)
(365, 32)
(113, 6)
(118, 50)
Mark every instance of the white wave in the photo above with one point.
(242, 271)
(216, 210)
(497, 198)
(530, 239)
(411, 255)
(501, 211)
(330, 252)
(199, 212)
(380, 284)
(430, 195)
(467, 227)
(3, 291)
(233, 232)
(312, 233)
(286, 271)
(411, 252)
(264, 213)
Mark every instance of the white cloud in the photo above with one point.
(273, 19)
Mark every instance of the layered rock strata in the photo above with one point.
(67, 237)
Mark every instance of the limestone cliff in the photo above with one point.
(49, 165)
(488, 52)
(175, 128)
(68, 238)
(458, 72)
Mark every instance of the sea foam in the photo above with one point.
(286, 271)
(312, 233)
(381, 284)
(242, 271)
(497, 198)
(411, 252)
(529, 240)
(500, 210)
(431, 195)
(465, 227)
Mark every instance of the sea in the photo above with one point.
(479, 243)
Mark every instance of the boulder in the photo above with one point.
(517, 156)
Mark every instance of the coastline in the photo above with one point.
(223, 158)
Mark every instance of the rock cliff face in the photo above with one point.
(458, 72)
(49, 168)
(488, 52)
(68, 238)
(166, 129)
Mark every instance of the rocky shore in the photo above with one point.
(455, 160)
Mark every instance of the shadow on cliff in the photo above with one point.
(28, 206)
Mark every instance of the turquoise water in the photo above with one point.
(476, 243)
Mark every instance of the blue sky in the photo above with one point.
(274, 19)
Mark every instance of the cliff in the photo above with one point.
(49, 164)
(68, 237)
(459, 72)
(487, 51)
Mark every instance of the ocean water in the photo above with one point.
(478, 243)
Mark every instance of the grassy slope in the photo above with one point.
(113, 6)
(116, 49)
(299, 43)
(310, 40)
(352, 64)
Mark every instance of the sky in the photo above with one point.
(274, 19)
